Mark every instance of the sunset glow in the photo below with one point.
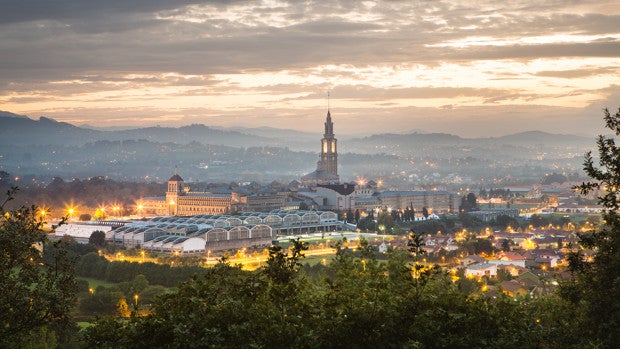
(272, 62)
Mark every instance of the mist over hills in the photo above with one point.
(19, 130)
(46, 147)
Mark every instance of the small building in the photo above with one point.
(481, 269)
(471, 259)
(513, 288)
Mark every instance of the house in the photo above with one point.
(471, 259)
(481, 269)
(513, 288)
(512, 269)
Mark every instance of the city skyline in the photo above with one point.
(444, 66)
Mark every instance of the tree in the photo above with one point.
(504, 221)
(385, 222)
(425, 212)
(415, 245)
(596, 284)
(38, 289)
(282, 267)
(97, 238)
(469, 203)
(506, 245)
(366, 224)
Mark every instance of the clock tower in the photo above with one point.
(328, 160)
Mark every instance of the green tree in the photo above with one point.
(385, 222)
(37, 289)
(97, 238)
(103, 301)
(597, 282)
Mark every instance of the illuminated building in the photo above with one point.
(181, 201)
(327, 167)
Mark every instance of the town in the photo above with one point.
(514, 240)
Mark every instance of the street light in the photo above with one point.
(135, 298)
(70, 212)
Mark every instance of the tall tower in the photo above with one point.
(328, 160)
(175, 189)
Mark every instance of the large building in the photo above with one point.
(437, 201)
(327, 167)
(181, 201)
(203, 233)
(324, 189)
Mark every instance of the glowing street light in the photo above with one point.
(70, 212)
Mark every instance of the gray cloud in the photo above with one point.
(99, 43)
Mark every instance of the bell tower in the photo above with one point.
(328, 159)
(175, 189)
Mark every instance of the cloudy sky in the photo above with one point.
(468, 67)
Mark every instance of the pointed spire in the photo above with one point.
(327, 101)
(329, 114)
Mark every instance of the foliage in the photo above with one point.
(596, 285)
(475, 245)
(38, 288)
(97, 238)
(469, 203)
(504, 221)
(430, 226)
(359, 303)
(94, 266)
(103, 301)
(367, 224)
(554, 178)
(385, 221)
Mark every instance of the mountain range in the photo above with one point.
(21, 130)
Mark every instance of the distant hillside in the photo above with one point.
(293, 139)
(20, 130)
(11, 115)
(539, 137)
(447, 145)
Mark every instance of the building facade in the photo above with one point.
(181, 201)
(437, 201)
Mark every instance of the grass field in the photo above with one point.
(313, 260)
(94, 283)
(83, 324)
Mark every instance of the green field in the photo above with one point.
(83, 324)
(94, 283)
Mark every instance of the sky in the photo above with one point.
(471, 68)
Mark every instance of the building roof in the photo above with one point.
(175, 178)
(512, 286)
(366, 199)
(342, 189)
(155, 198)
(396, 193)
(482, 266)
(321, 174)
